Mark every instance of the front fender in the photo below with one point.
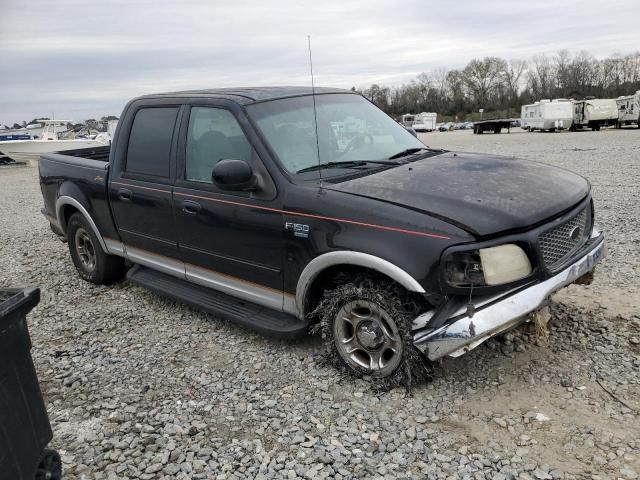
(346, 257)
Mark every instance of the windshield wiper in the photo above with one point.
(406, 152)
(348, 164)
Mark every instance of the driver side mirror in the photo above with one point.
(234, 175)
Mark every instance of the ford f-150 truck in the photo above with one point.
(283, 208)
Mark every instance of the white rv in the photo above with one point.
(629, 110)
(407, 119)
(548, 115)
(425, 122)
(594, 113)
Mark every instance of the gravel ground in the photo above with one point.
(140, 387)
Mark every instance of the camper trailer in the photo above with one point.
(548, 115)
(425, 122)
(628, 110)
(594, 113)
(407, 119)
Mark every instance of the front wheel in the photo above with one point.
(366, 329)
(91, 262)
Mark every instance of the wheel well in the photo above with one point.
(65, 214)
(336, 275)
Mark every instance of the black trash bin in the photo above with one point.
(24, 425)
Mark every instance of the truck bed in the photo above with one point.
(82, 175)
(93, 153)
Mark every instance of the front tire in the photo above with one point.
(366, 330)
(91, 262)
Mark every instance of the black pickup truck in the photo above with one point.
(281, 209)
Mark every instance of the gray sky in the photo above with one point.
(77, 59)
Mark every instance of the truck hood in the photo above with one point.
(483, 194)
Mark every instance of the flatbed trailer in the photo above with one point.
(494, 126)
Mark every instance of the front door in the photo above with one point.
(230, 241)
(140, 191)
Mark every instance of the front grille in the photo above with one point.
(559, 242)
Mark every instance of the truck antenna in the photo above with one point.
(315, 115)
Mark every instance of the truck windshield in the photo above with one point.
(349, 129)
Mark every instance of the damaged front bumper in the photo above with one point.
(469, 327)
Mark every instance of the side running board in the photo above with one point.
(247, 314)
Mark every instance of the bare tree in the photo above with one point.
(502, 86)
(512, 76)
(542, 77)
(482, 77)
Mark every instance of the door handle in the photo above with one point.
(125, 194)
(191, 207)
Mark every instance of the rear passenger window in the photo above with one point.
(214, 134)
(149, 151)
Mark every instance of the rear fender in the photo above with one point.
(65, 200)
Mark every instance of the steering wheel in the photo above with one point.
(357, 141)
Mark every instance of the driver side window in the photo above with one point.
(214, 134)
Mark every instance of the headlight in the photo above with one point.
(487, 266)
(504, 264)
(463, 269)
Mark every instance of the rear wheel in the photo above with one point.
(50, 466)
(366, 330)
(91, 262)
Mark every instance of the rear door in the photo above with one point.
(229, 240)
(141, 188)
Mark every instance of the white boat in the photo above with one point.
(30, 150)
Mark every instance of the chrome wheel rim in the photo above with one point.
(85, 249)
(367, 338)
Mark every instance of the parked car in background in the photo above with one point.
(244, 203)
(411, 131)
(444, 127)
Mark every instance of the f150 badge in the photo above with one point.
(299, 229)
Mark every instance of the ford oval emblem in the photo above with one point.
(574, 234)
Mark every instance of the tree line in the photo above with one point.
(500, 87)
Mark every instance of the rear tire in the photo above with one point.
(366, 330)
(50, 466)
(91, 262)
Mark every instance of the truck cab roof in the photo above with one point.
(248, 95)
